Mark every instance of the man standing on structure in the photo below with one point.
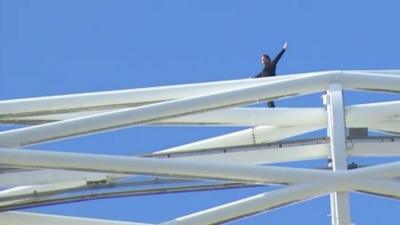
(270, 67)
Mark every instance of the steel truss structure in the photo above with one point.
(32, 178)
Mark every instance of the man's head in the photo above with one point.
(265, 59)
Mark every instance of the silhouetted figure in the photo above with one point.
(269, 69)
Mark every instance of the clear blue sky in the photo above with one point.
(68, 46)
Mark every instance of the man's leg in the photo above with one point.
(271, 104)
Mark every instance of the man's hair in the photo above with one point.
(267, 57)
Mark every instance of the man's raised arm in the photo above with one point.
(278, 57)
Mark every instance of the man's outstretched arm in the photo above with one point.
(278, 57)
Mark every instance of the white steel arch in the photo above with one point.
(234, 160)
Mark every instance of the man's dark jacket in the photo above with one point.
(270, 69)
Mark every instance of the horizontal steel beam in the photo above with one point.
(159, 111)
(374, 115)
(37, 177)
(250, 136)
(108, 100)
(382, 171)
(381, 187)
(253, 205)
(226, 117)
(24, 218)
(133, 97)
(159, 167)
(287, 151)
(48, 198)
(156, 112)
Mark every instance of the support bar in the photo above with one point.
(253, 205)
(159, 111)
(340, 209)
(52, 200)
(383, 171)
(23, 218)
(159, 167)
(387, 188)
(36, 177)
(225, 117)
(250, 136)
(86, 102)
(133, 97)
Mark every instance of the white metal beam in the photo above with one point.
(363, 115)
(255, 156)
(283, 152)
(389, 126)
(359, 80)
(387, 188)
(374, 115)
(159, 111)
(242, 155)
(382, 171)
(37, 190)
(151, 113)
(159, 167)
(337, 127)
(23, 218)
(85, 102)
(256, 135)
(340, 210)
(373, 148)
(390, 72)
(254, 204)
(226, 117)
(366, 81)
(261, 155)
(382, 80)
(36, 177)
(124, 98)
(127, 98)
(53, 198)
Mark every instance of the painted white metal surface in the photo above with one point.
(124, 98)
(226, 117)
(267, 155)
(37, 189)
(388, 126)
(121, 98)
(367, 81)
(171, 167)
(340, 210)
(291, 153)
(337, 127)
(158, 111)
(23, 218)
(388, 188)
(20, 190)
(36, 177)
(382, 171)
(391, 72)
(259, 155)
(361, 115)
(359, 148)
(373, 149)
(210, 104)
(256, 135)
(254, 204)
